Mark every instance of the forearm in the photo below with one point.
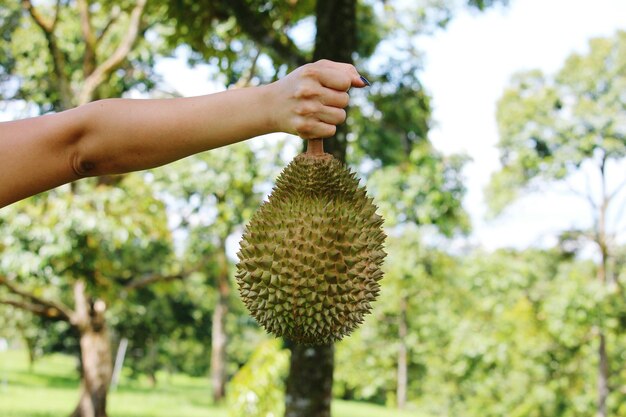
(129, 135)
(117, 135)
(122, 135)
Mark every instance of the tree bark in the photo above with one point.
(402, 375)
(219, 338)
(601, 241)
(336, 40)
(310, 380)
(59, 77)
(96, 374)
(603, 376)
(95, 352)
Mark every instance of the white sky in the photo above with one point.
(466, 70)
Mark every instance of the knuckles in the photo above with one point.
(306, 129)
(341, 115)
(307, 108)
(313, 130)
(344, 100)
(304, 91)
(310, 71)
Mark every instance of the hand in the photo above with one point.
(310, 101)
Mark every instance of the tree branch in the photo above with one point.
(585, 196)
(47, 27)
(100, 73)
(264, 34)
(58, 58)
(115, 14)
(37, 304)
(617, 190)
(89, 57)
(41, 311)
(620, 214)
(148, 279)
(246, 80)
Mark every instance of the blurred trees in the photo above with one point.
(214, 194)
(490, 334)
(68, 253)
(57, 55)
(552, 128)
(257, 390)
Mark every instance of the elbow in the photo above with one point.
(83, 149)
(82, 166)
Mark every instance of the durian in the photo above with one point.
(310, 258)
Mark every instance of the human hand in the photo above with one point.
(310, 101)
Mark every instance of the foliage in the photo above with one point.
(425, 190)
(109, 237)
(506, 333)
(257, 390)
(49, 71)
(168, 327)
(554, 127)
(395, 121)
(488, 334)
(550, 126)
(243, 30)
(424, 279)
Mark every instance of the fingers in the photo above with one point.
(332, 115)
(314, 120)
(317, 130)
(311, 100)
(335, 75)
(334, 98)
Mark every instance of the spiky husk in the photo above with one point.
(310, 258)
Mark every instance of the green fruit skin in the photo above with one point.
(310, 259)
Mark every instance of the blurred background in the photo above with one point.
(493, 140)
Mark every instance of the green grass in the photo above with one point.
(50, 389)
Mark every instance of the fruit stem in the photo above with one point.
(315, 147)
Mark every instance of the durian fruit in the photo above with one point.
(310, 258)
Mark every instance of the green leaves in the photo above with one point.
(425, 190)
(257, 389)
(106, 235)
(549, 126)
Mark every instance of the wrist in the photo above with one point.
(269, 107)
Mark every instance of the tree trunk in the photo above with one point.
(219, 337)
(402, 375)
(310, 381)
(95, 351)
(31, 346)
(96, 374)
(336, 40)
(603, 276)
(603, 376)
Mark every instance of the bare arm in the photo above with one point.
(119, 135)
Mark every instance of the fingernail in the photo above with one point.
(367, 83)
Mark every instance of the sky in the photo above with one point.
(467, 67)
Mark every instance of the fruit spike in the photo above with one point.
(310, 258)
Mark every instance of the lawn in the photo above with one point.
(50, 389)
